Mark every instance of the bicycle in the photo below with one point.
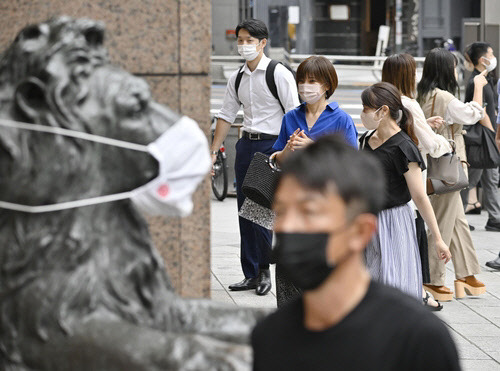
(219, 179)
(220, 176)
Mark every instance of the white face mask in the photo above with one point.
(183, 156)
(493, 64)
(182, 152)
(248, 51)
(368, 120)
(311, 93)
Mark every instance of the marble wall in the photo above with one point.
(168, 43)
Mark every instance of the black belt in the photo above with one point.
(258, 136)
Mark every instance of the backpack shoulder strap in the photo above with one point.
(271, 84)
(237, 82)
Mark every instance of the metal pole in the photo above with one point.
(305, 29)
(399, 25)
(482, 28)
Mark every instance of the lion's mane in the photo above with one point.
(57, 266)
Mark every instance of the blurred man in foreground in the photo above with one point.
(326, 204)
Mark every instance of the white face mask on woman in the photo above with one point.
(492, 64)
(311, 93)
(368, 120)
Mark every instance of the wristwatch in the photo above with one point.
(213, 152)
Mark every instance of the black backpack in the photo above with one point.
(271, 84)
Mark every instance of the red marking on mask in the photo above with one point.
(163, 190)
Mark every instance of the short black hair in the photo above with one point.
(475, 51)
(356, 175)
(256, 28)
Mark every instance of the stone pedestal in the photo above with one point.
(168, 43)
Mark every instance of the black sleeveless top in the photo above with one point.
(394, 155)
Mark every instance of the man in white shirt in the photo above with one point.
(262, 115)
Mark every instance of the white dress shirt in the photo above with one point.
(262, 112)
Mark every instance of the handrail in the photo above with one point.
(297, 57)
(226, 58)
(350, 58)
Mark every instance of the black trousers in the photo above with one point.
(255, 240)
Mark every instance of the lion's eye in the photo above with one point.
(94, 36)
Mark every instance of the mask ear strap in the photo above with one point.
(400, 116)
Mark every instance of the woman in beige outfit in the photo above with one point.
(436, 96)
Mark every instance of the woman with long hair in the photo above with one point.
(401, 71)
(436, 95)
(392, 256)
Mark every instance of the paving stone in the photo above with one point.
(462, 316)
(486, 343)
(476, 365)
(470, 351)
(485, 300)
(215, 284)
(222, 296)
(495, 355)
(492, 313)
(477, 329)
(268, 301)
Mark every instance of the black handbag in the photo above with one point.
(260, 180)
(482, 151)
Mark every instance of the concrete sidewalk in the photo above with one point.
(474, 322)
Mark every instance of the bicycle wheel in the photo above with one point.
(219, 179)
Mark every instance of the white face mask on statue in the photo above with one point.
(182, 152)
(311, 93)
(492, 64)
(249, 51)
(183, 157)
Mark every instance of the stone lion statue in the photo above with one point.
(84, 288)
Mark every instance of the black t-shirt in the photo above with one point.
(386, 331)
(394, 155)
(490, 98)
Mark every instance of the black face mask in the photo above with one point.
(302, 258)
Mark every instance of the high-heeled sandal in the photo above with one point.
(441, 293)
(469, 285)
(431, 307)
(476, 210)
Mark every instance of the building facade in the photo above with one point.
(342, 27)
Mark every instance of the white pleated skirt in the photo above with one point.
(392, 256)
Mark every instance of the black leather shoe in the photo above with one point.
(492, 226)
(495, 264)
(246, 284)
(263, 282)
